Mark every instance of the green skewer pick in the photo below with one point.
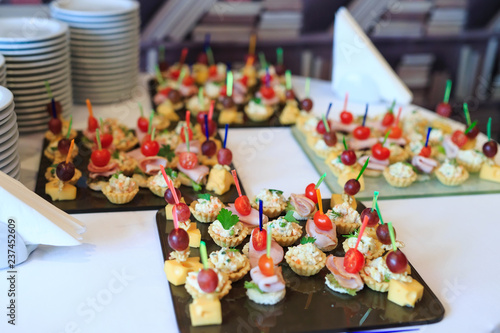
(467, 115)
(200, 98)
(308, 86)
(489, 129)
(101, 122)
(363, 168)
(269, 238)
(47, 87)
(378, 213)
(181, 76)
(161, 53)
(288, 77)
(393, 238)
(98, 136)
(229, 88)
(140, 109)
(471, 127)
(186, 135)
(327, 127)
(150, 121)
(279, 53)
(153, 134)
(345, 144)
(69, 127)
(203, 254)
(447, 92)
(386, 136)
(320, 181)
(159, 77)
(392, 106)
(375, 197)
(210, 56)
(262, 59)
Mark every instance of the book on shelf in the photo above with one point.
(222, 33)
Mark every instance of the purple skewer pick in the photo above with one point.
(54, 111)
(260, 214)
(206, 126)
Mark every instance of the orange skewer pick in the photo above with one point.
(70, 150)
(320, 202)
(89, 107)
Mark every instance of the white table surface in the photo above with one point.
(115, 282)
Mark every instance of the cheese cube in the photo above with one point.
(405, 293)
(205, 311)
(68, 191)
(177, 271)
(490, 172)
(194, 235)
(219, 180)
(345, 176)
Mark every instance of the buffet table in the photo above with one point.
(115, 282)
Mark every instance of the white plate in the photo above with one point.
(111, 31)
(42, 108)
(7, 160)
(109, 60)
(62, 53)
(42, 102)
(102, 43)
(93, 8)
(41, 117)
(65, 72)
(26, 30)
(33, 71)
(24, 109)
(38, 64)
(40, 89)
(57, 93)
(124, 35)
(40, 50)
(2, 61)
(93, 19)
(32, 129)
(104, 47)
(4, 114)
(6, 98)
(131, 63)
(131, 21)
(8, 125)
(8, 134)
(45, 43)
(105, 78)
(12, 168)
(133, 51)
(101, 72)
(105, 101)
(10, 148)
(114, 88)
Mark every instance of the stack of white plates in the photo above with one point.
(35, 51)
(3, 71)
(9, 155)
(104, 47)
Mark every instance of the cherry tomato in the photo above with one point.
(92, 124)
(322, 221)
(380, 152)
(267, 92)
(143, 124)
(425, 152)
(443, 109)
(459, 138)
(388, 119)
(244, 80)
(100, 157)
(188, 81)
(259, 239)
(188, 160)
(396, 132)
(266, 265)
(106, 140)
(346, 117)
(165, 91)
(212, 71)
(150, 148)
(353, 261)
(264, 78)
(183, 136)
(361, 133)
(311, 192)
(174, 73)
(242, 205)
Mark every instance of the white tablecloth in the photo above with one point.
(115, 281)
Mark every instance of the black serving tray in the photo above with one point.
(309, 305)
(90, 201)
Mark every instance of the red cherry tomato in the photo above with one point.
(396, 132)
(106, 140)
(92, 124)
(346, 117)
(183, 136)
(459, 138)
(100, 157)
(380, 152)
(425, 152)
(353, 261)
(266, 265)
(150, 148)
(361, 133)
(188, 160)
(212, 70)
(322, 221)
(388, 119)
(311, 192)
(259, 239)
(444, 109)
(188, 81)
(174, 73)
(263, 79)
(267, 92)
(244, 80)
(143, 124)
(165, 91)
(242, 205)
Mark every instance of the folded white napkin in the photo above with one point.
(36, 220)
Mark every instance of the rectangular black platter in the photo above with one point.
(309, 306)
(247, 123)
(89, 201)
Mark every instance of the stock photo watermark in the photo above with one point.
(11, 273)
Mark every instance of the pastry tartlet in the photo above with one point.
(53, 154)
(345, 218)
(205, 210)
(400, 174)
(262, 291)
(273, 202)
(472, 160)
(126, 163)
(285, 232)
(123, 138)
(120, 189)
(290, 113)
(305, 259)
(398, 153)
(193, 288)
(451, 174)
(376, 275)
(157, 184)
(334, 162)
(258, 111)
(231, 262)
(50, 175)
(227, 230)
(166, 109)
(322, 150)
(414, 147)
(369, 246)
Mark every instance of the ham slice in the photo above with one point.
(324, 238)
(159, 98)
(251, 220)
(106, 171)
(374, 164)
(424, 164)
(362, 144)
(346, 128)
(254, 255)
(194, 147)
(89, 135)
(401, 141)
(450, 148)
(345, 279)
(188, 91)
(136, 154)
(268, 284)
(196, 174)
(268, 101)
(302, 204)
(151, 165)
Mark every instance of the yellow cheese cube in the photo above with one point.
(490, 172)
(405, 293)
(177, 271)
(219, 180)
(67, 192)
(194, 235)
(344, 177)
(337, 199)
(205, 311)
(230, 116)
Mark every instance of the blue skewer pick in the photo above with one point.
(225, 136)
(366, 113)
(206, 126)
(329, 109)
(260, 214)
(428, 134)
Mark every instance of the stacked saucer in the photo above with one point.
(35, 51)
(3, 71)
(9, 155)
(104, 47)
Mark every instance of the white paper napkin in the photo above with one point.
(36, 220)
